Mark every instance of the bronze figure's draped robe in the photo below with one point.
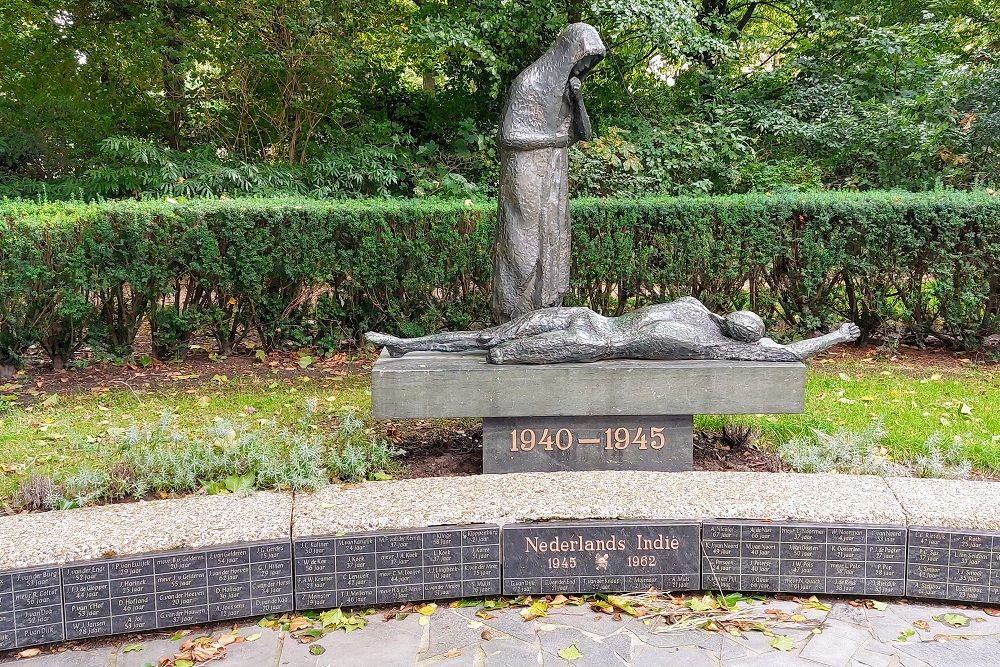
(543, 117)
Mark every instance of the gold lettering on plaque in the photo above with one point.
(612, 438)
(575, 543)
(659, 543)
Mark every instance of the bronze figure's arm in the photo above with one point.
(524, 141)
(581, 121)
(804, 349)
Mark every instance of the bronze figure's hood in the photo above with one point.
(536, 104)
(578, 47)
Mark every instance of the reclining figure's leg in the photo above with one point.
(452, 341)
(530, 324)
(553, 347)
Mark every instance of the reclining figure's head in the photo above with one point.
(745, 326)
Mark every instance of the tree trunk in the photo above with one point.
(173, 94)
(173, 77)
(574, 11)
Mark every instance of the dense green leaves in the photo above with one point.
(328, 98)
(308, 272)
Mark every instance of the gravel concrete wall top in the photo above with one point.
(596, 495)
(204, 521)
(134, 528)
(948, 503)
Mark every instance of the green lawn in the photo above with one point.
(60, 432)
(58, 435)
(958, 402)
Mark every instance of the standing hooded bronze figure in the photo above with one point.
(543, 117)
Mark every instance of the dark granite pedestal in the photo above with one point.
(609, 415)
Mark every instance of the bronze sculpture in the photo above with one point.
(681, 329)
(543, 117)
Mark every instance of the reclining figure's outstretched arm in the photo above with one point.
(767, 350)
(810, 347)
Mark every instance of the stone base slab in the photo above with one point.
(549, 444)
(435, 385)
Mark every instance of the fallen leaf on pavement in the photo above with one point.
(782, 643)
(952, 619)
(570, 653)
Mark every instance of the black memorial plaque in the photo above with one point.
(397, 566)
(600, 557)
(30, 607)
(953, 564)
(849, 559)
(145, 593)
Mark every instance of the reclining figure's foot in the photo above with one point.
(392, 343)
(849, 331)
(497, 355)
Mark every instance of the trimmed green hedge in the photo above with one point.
(304, 272)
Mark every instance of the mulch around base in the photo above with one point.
(435, 450)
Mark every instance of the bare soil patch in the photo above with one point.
(910, 360)
(437, 450)
(196, 370)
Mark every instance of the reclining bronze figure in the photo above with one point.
(681, 329)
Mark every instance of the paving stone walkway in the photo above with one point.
(849, 635)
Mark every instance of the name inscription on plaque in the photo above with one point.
(30, 608)
(397, 566)
(178, 588)
(954, 565)
(849, 559)
(600, 556)
(542, 444)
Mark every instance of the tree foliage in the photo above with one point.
(112, 98)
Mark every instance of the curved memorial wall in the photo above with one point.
(146, 566)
